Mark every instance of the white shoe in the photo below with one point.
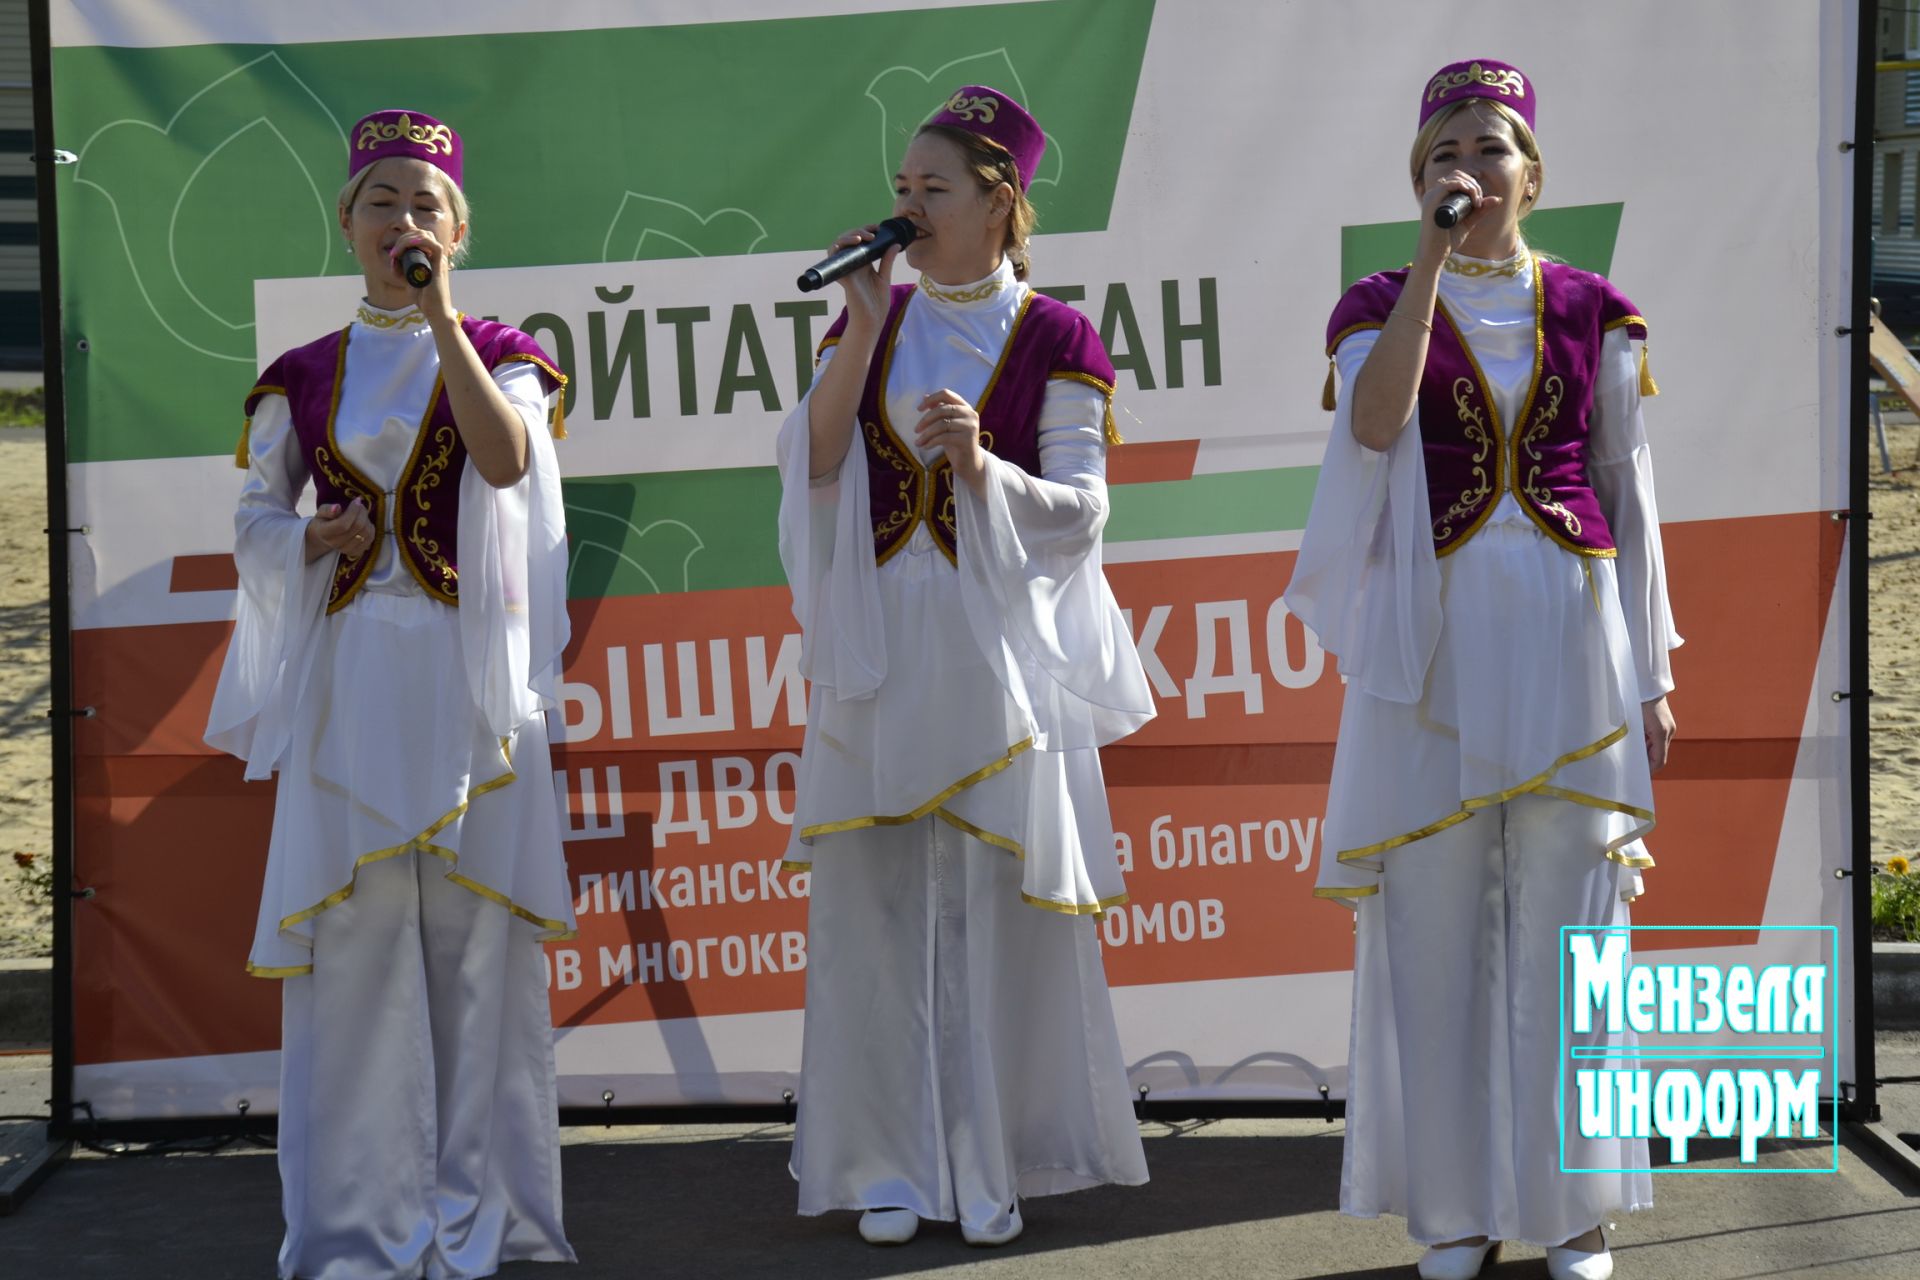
(1578, 1264)
(888, 1226)
(1457, 1262)
(990, 1239)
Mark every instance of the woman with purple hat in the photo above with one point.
(1483, 556)
(392, 659)
(943, 493)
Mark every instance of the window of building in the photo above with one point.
(1890, 177)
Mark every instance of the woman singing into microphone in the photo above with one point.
(392, 660)
(943, 494)
(1483, 555)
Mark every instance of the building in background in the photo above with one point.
(19, 230)
(1896, 171)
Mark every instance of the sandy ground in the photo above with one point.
(1893, 592)
(26, 762)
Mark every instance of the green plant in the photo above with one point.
(23, 408)
(1896, 902)
(34, 873)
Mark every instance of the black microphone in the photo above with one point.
(894, 231)
(1452, 209)
(416, 266)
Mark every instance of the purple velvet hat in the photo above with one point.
(1000, 120)
(1478, 78)
(404, 133)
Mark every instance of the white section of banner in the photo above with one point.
(146, 25)
(1178, 1041)
(136, 518)
(1173, 1037)
(702, 321)
(1721, 251)
(169, 1088)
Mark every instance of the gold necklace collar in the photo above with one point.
(971, 293)
(383, 320)
(1473, 268)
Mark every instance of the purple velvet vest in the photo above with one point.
(1049, 340)
(1472, 457)
(426, 500)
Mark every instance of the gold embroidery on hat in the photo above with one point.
(1509, 82)
(434, 137)
(966, 108)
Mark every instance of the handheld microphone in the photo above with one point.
(894, 231)
(1452, 209)
(417, 267)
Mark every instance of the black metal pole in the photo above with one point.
(60, 622)
(1864, 1105)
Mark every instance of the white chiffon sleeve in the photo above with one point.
(1622, 472)
(281, 598)
(826, 548)
(1366, 580)
(1035, 594)
(513, 570)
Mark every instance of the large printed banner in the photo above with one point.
(647, 180)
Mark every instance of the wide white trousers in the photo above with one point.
(960, 1047)
(1455, 1117)
(418, 1124)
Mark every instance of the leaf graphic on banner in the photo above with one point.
(646, 227)
(193, 248)
(906, 97)
(612, 556)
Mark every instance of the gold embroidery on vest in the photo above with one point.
(1476, 431)
(422, 474)
(949, 516)
(887, 445)
(349, 575)
(1539, 494)
(433, 466)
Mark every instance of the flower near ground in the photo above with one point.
(37, 878)
(1896, 902)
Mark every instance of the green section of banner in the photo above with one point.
(1580, 235)
(1221, 503)
(205, 167)
(670, 532)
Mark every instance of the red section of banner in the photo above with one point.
(687, 710)
(204, 573)
(1152, 460)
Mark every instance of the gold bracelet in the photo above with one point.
(1424, 324)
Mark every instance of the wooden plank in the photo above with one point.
(27, 1159)
(1894, 363)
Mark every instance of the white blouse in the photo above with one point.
(1511, 665)
(512, 545)
(932, 679)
